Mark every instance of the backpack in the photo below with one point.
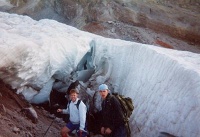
(127, 108)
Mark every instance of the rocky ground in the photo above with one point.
(15, 122)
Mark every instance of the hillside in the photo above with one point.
(14, 122)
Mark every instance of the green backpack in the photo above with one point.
(126, 104)
(127, 108)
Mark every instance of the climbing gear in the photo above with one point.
(49, 127)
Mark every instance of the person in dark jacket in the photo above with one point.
(112, 123)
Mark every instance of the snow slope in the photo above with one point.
(163, 83)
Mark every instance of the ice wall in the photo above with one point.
(163, 83)
(33, 52)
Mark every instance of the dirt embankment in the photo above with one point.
(178, 19)
(15, 121)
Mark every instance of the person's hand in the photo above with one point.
(59, 110)
(108, 131)
(102, 130)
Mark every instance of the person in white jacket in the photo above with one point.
(77, 116)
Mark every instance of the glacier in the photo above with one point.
(164, 84)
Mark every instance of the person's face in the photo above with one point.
(103, 93)
(73, 97)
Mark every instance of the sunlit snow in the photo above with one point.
(163, 83)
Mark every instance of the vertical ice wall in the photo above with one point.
(163, 83)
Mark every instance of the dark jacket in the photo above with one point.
(111, 113)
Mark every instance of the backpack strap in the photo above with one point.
(77, 104)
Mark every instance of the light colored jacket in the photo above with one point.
(76, 115)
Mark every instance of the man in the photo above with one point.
(77, 116)
(112, 124)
